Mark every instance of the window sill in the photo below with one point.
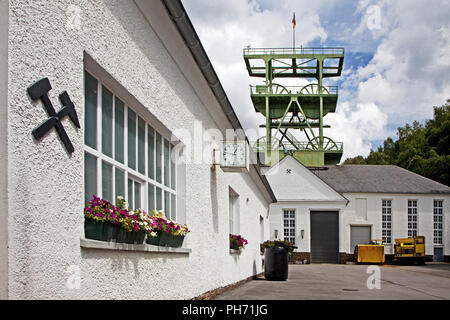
(234, 251)
(94, 244)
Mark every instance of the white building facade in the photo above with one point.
(324, 214)
(140, 94)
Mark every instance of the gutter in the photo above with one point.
(184, 26)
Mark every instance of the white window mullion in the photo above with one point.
(125, 150)
(99, 140)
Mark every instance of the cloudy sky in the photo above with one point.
(397, 57)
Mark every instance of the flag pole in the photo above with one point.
(293, 31)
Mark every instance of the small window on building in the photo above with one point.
(124, 155)
(289, 225)
(233, 212)
(437, 222)
(412, 218)
(386, 223)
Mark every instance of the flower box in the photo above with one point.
(140, 237)
(169, 240)
(110, 231)
(154, 240)
(93, 229)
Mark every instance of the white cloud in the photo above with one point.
(357, 127)
(407, 76)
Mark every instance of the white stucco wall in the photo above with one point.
(399, 218)
(4, 148)
(45, 183)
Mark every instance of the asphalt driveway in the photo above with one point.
(350, 282)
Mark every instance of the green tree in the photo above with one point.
(423, 149)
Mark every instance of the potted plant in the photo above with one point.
(166, 232)
(95, 216)
(237, 242)
(272, 243)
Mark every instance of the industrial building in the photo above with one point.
(327, 210)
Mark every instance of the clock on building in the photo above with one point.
(234, 156)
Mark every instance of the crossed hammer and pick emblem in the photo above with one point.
(40, 90)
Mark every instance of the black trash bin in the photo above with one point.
(276, 262)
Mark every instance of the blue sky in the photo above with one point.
(397, 57)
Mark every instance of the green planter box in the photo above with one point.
(140, 236)
(154, 240)
(93, 229)
(126, 237)
(169, 240)
(110, 231)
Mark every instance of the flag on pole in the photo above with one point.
(293, 21)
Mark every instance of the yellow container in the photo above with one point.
(370, 253)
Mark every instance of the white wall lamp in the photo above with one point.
(276, 233)
(302, 233)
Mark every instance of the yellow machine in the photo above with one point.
(370, 253)
(410, 250)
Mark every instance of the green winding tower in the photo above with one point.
(295, 107)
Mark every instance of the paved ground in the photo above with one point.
(328, 281)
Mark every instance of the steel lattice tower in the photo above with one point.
(295, 107)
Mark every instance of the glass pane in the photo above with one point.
(172, 169)
(90, 106)
(90, 177)
(130, 194)
(137, 195)
(167, 204)
(166, 163)
(107, 181)
(107, 124)
(119, 137)
(151, 152)
(120, 183)
(158, 199)
(173, 206)
(131, 139)
(151, 198)
(141, 146)
(158, 158)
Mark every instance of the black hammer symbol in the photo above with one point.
(40, 90)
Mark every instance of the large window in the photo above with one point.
(412, 218)
(289, 225)
(386, 221)
(437, 222)
(124, 155)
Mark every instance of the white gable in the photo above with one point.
(292, 181)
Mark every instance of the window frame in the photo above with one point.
(289, 228)
(129, 173)
(413, 231)
(441, 223)
(385, 227)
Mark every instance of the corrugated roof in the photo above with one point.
(377, 179)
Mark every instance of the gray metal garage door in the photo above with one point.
(359, 235)
(324, 237)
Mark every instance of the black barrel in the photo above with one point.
(276, 263)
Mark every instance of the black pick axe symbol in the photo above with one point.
(40, 90)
